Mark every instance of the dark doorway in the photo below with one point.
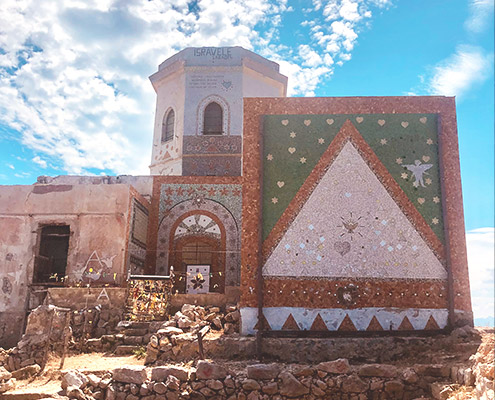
(199, 250)
(51, 261)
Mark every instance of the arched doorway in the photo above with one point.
(198, 240)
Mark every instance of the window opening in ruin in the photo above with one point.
(213, 119)
(51, 261)
(168, 126)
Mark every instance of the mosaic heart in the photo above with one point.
(359, 119)
(285, 122)
(381, 122)
(227, 84)
(421, 200)
(404, 124)
(342, 247)
(426, 158)
(330, 121)
(423, 120)
(280, 184)
(307, 122)
(291, 150)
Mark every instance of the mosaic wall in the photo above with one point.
(199, 209)
(352, 214)
(212, 155)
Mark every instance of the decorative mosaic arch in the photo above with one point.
(225, 109)
(210, 219)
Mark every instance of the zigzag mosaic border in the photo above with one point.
(360, 319)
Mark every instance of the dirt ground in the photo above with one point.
(48, 383)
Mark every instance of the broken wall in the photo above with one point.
(98, 217)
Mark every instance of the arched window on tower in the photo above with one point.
(168, 126)
(213, 119)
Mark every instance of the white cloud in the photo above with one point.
(480, 14)
(457, 74)
(39, 161)
(73, 74)
(481, 260)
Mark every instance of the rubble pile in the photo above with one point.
(6, 380)
(483, 368)
(335, 379)
(44, 332)
(177, 338)
(94, 322)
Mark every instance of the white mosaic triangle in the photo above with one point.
(351, 227)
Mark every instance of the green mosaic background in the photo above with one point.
(396, 139)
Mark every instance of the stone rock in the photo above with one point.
(75, 393)
(409, 376)
(437, 370)
(75, 379)
(340, 366)
(26, 372)
(378, 370)
(304, 371)
(8, 385)
(184, 322)
(93, 380)
(214, 384)
(270, 388)
(263, 371)
(353, 384)
(229, 328)
(396, 387)
(440, 391)
(316, 391)
(172, 383)
(291, 387)
(209, 370)
(4, 374)
(173, 396)
(159, 387)
(160, 374)
(253, 396)
(250, 384)
(217, 324)
(169, 330)
(130, 374)
(233, 316)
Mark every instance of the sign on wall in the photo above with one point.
(198, 279)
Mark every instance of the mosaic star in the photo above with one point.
(274, 200)
(429, 141)
(303, 160)
(434, 221)
(269, 157)
(383, 141)
(428, 181)
(398, 160)
(321, 140)
(404, 175)
(292, 134)
(436, 199)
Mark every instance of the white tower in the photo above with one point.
(199, 108)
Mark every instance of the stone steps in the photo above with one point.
(125, 350)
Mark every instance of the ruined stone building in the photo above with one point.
(332, 214)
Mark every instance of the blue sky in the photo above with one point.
(75, 98)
